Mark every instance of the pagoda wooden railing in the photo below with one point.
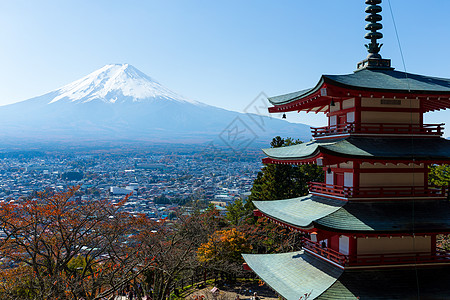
(398, 258)
(377, 192)
(397, 191)
(329, 189)
(378, 128)
(325, 252)
(439, 255)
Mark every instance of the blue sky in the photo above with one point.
(223, 53)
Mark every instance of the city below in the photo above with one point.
(158, 179)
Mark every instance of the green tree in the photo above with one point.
(275, 182)
(439, 175)
(237, 212)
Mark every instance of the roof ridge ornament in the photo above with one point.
(373, 47)
(374, 59)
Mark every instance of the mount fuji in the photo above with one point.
(120, 103)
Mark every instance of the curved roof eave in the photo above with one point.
(305, 150)
(389, 217)
(313, 155)
(299, 212)
(294, 274)
(285, 99)
(367, 148)
(313, 211)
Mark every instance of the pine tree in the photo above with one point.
(276, 182)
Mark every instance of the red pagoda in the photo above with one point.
(372, 224)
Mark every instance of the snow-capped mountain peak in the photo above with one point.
(113, 83)
(120, 103)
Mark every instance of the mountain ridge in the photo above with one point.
(119, 102)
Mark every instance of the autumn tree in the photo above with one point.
(54, 246)
(267, 237)
(171, 249)
(222, 251)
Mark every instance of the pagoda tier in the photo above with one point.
(365, 234)
(299, 274)
(370, 168)
(359, 219)
(362, 149)
(424, 93)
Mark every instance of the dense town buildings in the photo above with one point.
(160, 180)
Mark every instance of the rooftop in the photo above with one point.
(302, 211)
(375, 80)
(368, 148)
(298, 273)
(360, 217)
(294, 274)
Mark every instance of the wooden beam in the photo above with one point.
(321, 109)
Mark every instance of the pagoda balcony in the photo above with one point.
(376, 192)
(437, 256)
(323, 252)
(378, 128)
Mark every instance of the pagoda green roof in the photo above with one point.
(367, 147)
(288, 97)
(302, 211)
(360, 217)
(391, 80)
(410, 283)
(294, 274)
(375, 80)
(389, 217)
(304, 150)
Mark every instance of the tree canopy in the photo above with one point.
(58, 247)
(55, 246)
(439, 175)
(275, 182)
(224, 246)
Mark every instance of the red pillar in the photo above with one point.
(433, 244)
(334, 242)
(425, 183)
(352, 248)
(356, 175)
(357, 111)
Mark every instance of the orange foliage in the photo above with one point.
(224, 245)
(58, 246)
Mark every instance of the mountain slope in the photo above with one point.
(118, 102)
(114, 83)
